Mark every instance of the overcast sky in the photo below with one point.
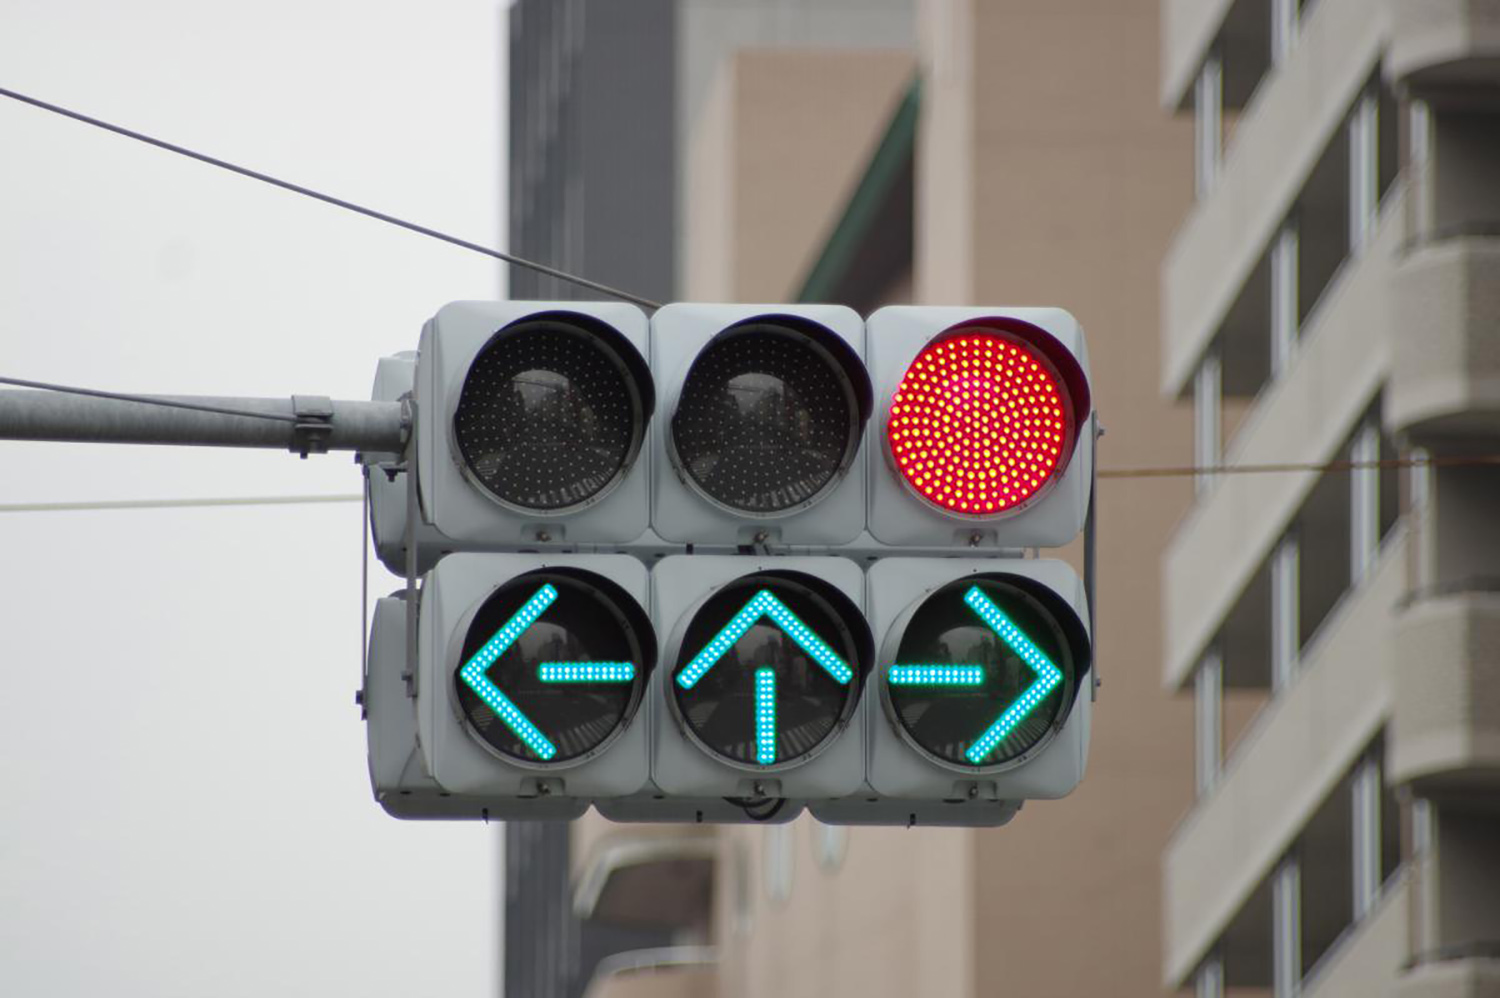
(185, 805)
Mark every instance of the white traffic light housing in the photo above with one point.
(758, 440)
(532, 417)
(764, 665)
(531, 675)
(981, 692)
(983, 433)
(398, 770)
(795, 586)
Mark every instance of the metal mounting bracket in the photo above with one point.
(314, 424)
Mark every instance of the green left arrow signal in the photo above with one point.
(475, 673)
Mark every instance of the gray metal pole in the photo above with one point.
(303, 424)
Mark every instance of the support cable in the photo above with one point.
(381, 216)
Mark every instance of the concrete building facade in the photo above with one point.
(1333, 298)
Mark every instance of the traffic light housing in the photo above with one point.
(985, 439)
(762, 419)
(797, 582)
(399, 776)
(531, 674)
(764, 664)
(531, 421)
(982, 692)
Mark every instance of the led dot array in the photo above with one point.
(765, 716)
(767, 605)
(1048, 675)
(978, 424)
(764, 421)
(936, 675)
(474, 673)
(585, 672)
(547, 416)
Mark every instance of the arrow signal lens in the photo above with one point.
(769, 669)
(549, 671)
(1007, 681)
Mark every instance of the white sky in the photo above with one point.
(185, 806)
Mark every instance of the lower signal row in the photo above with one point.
(730, 688)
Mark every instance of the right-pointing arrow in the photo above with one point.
(1048, 675)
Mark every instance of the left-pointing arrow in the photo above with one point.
(475, 673)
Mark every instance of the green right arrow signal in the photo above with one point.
(1048, 675)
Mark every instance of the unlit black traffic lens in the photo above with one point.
(552, 412)
(770, 415)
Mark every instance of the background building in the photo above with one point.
(602, 97)
(602, 94)
(1334, 295)
(1019, 156)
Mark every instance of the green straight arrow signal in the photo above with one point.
(764, 604)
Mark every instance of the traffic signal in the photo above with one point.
(531, 673)
(763, 414)
(764, 665)
(531, 419)
(981, 696)
(398, 770)
(986, 438)
(799, 584)
(986, 442)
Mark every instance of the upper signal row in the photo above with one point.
(729, 425)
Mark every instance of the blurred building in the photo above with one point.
(1334, 295)
(602, 94)
(1018, 156)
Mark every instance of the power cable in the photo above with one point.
(1293, 466)
(266, 178)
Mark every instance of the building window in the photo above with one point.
(778, 862)
(1286, 929)
(1208, 124)
(1286, 600)
(1208, 702)
(1208, 407)
(1286, 317)
(1366, 839)
(830, 846)
(1285, 18)
(1364, 501)
(1364, 170)
(1209, 980)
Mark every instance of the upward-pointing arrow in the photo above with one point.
(763, 604)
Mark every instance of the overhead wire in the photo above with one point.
(1193, 471)
(389, 219)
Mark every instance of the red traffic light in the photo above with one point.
(983, 422)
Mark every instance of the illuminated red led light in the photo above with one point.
(980, 424)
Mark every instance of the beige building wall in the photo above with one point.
(783, 138)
